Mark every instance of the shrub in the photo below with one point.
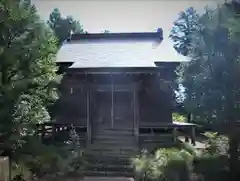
(166, 164)
(48, 161)
(216, 144)
(142, 165)
(212, 167)
(37, 159)
(179, 118)
(185, 163)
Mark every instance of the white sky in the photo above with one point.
(125, 16)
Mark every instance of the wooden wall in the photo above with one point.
(72, 104)
(153, 97)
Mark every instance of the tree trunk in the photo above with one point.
(233, 153)
(233, 142)
(232, 116)
(232, 135)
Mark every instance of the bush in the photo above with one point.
(37, 159)
(179, 118)
(212, 167)
(216, 144)
(47, 161)
(185, 163)
(164, 165)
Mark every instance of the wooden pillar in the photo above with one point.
(193, 141)
(174, 134)
(89, 130)
(53, 132)
(112, 105)
(136, 115)
(43, 131)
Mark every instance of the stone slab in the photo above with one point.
(108, 179)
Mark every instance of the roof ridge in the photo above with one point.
(130, 36)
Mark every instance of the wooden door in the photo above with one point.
(102, 117)
(123, 109)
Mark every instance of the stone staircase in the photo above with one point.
(110, 153)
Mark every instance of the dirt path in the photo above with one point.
(199, 143)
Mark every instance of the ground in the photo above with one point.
(199, 142)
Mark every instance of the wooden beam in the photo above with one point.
(81, 87)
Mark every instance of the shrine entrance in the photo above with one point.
(123, 110)
(113, 110)
(102, 113)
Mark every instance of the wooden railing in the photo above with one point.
(54, 132)
(160, 132)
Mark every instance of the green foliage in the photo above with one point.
(28, 87)
(183, 30)
(27, 71)
(210, 78)
(47, 161)
(216, 144)
(38, 159)
(142, 165)
(179, 118)
(190, 149)
(63, 27)
(213, 67)
(106, 31)
(185, 163)
(77, 161)
(19, 171)
(166, 164)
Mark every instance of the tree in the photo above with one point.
(210, 78)
(63, 27)
(27, 69)
(183, 29)
(106, 31)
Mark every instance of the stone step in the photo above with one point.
(128, 132)
(122, 159)
(100, 159)
(105, 144)
(111, 141)
(121, 154)
(92, 178)
(109, 174)
(114, 136)
(109, 167)
(112, 151)
(109, 150)
(92, 155)
(109, 163)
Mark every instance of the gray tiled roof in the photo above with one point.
(108, 54)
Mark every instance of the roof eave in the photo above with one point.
(143, 36)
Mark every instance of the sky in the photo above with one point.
(126, 16)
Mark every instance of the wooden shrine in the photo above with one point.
(119, 104)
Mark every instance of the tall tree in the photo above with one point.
(210, 78)
(63, 27)
(27, 71)
(183, 29)
(106, 31)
